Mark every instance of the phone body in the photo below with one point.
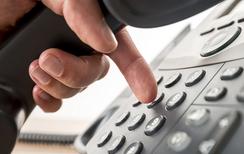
(199, 108)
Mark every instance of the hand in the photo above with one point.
(59, 75)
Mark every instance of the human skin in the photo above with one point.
(58, 74)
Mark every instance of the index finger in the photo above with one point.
(134, 68)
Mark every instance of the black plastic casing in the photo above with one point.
(154, 13)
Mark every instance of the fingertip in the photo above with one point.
(33, 65)
(142, 81)
(148, 92)
(110, 41)
(149, 95)
(37, 95)
(45, 101)
(42, 95)
(47, 53)
(106, 66)
(91, 29)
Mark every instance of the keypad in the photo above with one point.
(136, 121)
(231, 73)
(122, 118)
(220, 134)
(182, 119)
(172, 80)
(155, 125)
(116, 144)
(195, 77)
(134, 148)
(215, 94)
(175, 100)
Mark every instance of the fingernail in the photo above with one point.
(53, 65)
(110, 38)
(41, 76)
(45, 97)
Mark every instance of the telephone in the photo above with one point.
(199, 108)
(38, 31)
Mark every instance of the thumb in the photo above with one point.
(134, 68)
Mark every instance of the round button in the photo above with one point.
(158, 78)
(220, 41)
(136, 121)
(240, 95)
(179, 141)
(136, 104)
(116, 144)
(155, 125)
(157, 101)
(195, 77)
(104, 138)
(215, 94)
(231, 73)
(175, 100)
(134, 148)
(197, 117)
(172, 80)
(122, 118)
(206, 146)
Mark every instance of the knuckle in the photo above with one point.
(65, 93)
(51, 109)
(105, 68)
(46, 110)
(79, 76)
(74, 80)
(48, 52)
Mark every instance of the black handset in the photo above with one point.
(154, 13)
(38, 30)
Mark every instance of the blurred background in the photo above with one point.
(79, 111)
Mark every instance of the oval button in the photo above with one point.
(220, 41)
(175, 100)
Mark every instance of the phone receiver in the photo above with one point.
(155, 13)
(37, 31)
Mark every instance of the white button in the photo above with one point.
(224, 122)
(197, 117)
(220, 41)
(179, 141)
(206, 146)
